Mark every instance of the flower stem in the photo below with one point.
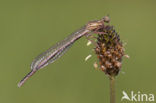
(112, 89)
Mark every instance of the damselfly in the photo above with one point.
(61, 47)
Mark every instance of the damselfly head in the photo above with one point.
(94, 25)
(106, 19)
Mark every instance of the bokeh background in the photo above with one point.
(29, 27)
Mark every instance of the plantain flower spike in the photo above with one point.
(109, 50)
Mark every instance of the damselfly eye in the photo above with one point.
(106, 19)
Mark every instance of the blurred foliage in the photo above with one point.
(29, 27)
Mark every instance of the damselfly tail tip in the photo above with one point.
(19, 84)
(25, 78)
(22, 81)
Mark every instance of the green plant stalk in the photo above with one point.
(112, 89)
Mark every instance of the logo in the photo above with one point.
(137, 96)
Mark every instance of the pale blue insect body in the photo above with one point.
(60, 48)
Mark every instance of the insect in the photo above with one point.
(56, 51)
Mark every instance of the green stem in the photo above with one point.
(112, 89)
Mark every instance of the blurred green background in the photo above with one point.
(29, 27)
